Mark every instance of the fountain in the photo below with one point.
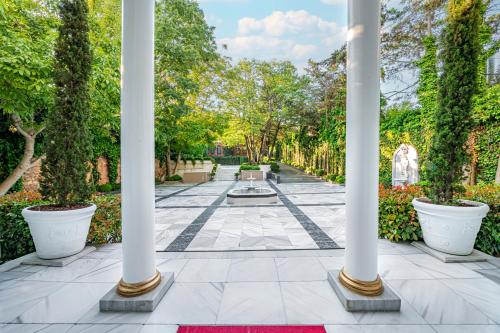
(252, 194)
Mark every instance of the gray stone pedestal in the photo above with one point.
(33, 259)
(353, 302)
(112, 302)
(475, 256)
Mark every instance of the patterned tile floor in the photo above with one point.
(251, 287)
(198, 218)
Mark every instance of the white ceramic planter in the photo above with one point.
(59, 234)
(450, 229)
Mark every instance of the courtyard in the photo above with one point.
(263, 265)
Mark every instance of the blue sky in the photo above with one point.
(295, 30)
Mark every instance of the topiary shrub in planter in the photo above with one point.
(448, 224)
(60, 229)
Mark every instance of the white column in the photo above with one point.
(362, 142)
(137, 141)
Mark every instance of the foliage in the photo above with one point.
(184, 50)
(106, 222)
(398, 221)
(15, 237)
(275, 167)
(251, 167)
(104, 81)
(488, 238)
(27, 34)
(105, 188)
(262, 98)
(68, 141)
(175, 178)
(457, 85)
(230, 160)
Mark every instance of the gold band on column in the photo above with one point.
(136, 289)
(366, 288)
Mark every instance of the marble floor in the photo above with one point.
(198, 218)
(252, 287)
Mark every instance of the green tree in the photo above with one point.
(27, 34)
(68, 139)
(457, 86)
(184, 43)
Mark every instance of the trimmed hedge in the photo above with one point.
(275, 167)
(15, 237)
(230, 160)
(250, 167)
(398, 221)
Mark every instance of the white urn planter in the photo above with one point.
(450, 229)
(59, 234)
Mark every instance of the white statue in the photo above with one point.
(405, 166)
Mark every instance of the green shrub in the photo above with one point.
(175, 178)
(319, 172)
(116, 186)
(275, 167)
(398, 221)
(246, 166)
(331, 178)
(230, 160)
(340, 179)
(105, 188)
(15, 236)
(106, 226)
(488, 238)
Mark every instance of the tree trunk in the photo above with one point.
(167, 167)
(177, 161)
(29, 150)
(275, 137)
(22, 167)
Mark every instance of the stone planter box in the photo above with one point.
(196, 177)
(258, 175)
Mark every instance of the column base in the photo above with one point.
(365, 288)
(388, 300)
(146, 302)
(136, 289)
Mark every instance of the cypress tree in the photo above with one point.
(456, 88)
(68, 142)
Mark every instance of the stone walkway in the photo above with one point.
(197, 218)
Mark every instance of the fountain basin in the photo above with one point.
(251, 195)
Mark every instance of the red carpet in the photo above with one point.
(251, 329)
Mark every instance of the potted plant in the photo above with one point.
(448, 224)
(236, 176)
(60, 229)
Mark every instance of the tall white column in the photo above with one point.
(137, 148)
(362, 146)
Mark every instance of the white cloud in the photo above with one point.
(294, 35)
(290, 22)
(334, 2)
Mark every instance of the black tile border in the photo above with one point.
(317, 234)
(177, 192)
(185, 238)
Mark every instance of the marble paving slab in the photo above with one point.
(475, 256)
(33, 259)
